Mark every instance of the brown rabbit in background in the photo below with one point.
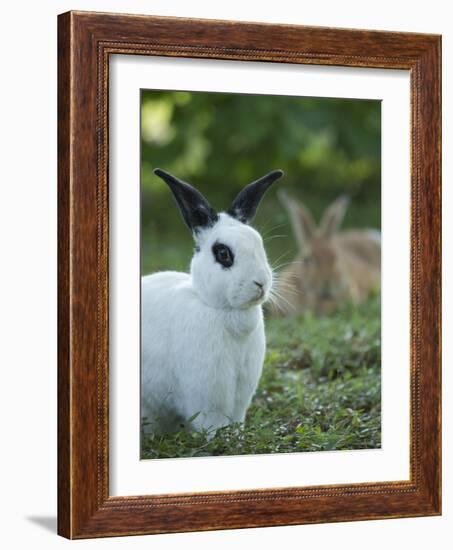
(331, 267)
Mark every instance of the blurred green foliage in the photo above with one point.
(220, 142)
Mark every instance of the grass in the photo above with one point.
(320, 391)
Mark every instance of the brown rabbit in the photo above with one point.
(331, 267)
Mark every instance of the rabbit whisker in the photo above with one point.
(289, 289)
(271, 229)
(274, 237)
(281, 298)
(284, 264)
(287, 263)
(280, 258)
(280, 281)
(275, 302)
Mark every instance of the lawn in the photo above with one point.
(320, 391)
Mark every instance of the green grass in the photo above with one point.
(320, 391)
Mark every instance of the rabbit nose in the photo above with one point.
(260, 286)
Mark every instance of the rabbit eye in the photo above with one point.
(223, 254)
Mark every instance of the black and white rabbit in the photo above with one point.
(203, 341)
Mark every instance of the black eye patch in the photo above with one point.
(223, 254)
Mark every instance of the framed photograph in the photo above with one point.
(249, 275)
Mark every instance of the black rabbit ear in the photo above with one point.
(195, 209)
(244, 206)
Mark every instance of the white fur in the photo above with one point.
(203, 340)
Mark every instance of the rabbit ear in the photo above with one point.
(244, 206)
(301, 219)
(333, 216)
(195, 209)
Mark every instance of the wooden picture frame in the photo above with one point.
(85, 42)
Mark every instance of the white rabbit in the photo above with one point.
(203, 340)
